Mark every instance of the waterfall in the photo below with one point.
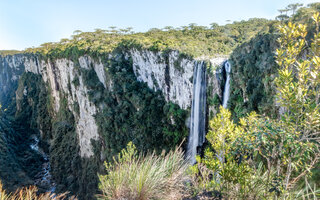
(198, 112)
(226, 92)
(198, 109)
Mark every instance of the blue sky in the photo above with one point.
(27, 23)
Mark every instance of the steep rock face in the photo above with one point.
(95, 93)
(59, 74)
(169, 73)
(18, 161)
(215, 84)
(11, 69)
(173, 75)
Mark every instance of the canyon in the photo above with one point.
(69, 109)
(63, 84)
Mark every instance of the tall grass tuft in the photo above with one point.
(137, 177)
(3, 194)
(31, 193)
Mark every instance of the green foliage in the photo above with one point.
(130, 111)
(229, 160)
(177, 130)
(19, 164)
(76, 81)
(12, 166)
(214, 101)
(68, 168)
(253, 69)
(134, 176)
(263, 158)
(192, 40)
(8, 84)
(298, 85)
(250, 160)
(32, 103)
(134, 112)
(9, 52)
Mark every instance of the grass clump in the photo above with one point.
(31, 193)
(133, 176)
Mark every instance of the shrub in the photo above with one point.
(263, 158)
(133, 176)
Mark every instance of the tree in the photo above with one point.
(192, 25)
(293, 7)
(298, 92)
(130, 30)
(283, 15)
(265, 158)
(77, 32)
(214, 25)
(168, 28)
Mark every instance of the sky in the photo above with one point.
(29, 23)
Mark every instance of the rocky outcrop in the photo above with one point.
(215, 84)
(11, 67)
(59, 75)
(87, 106)
(170, 73)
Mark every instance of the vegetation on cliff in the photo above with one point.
(270, 158)
(250, 163)
(192, 40)
(254, 67)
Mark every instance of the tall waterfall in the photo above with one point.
(226, 92)
(198, 112)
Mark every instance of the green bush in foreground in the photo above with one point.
(133, 176)
(263, 158)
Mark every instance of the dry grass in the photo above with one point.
(30, 193)
(135, 177)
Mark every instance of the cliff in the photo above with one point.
(85, 109)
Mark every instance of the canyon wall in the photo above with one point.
(73, 103)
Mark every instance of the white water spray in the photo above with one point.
(226, 92)
(198, 112)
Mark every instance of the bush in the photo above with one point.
(263, 158)
(134, 176)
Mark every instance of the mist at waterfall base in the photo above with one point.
(198, 110)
